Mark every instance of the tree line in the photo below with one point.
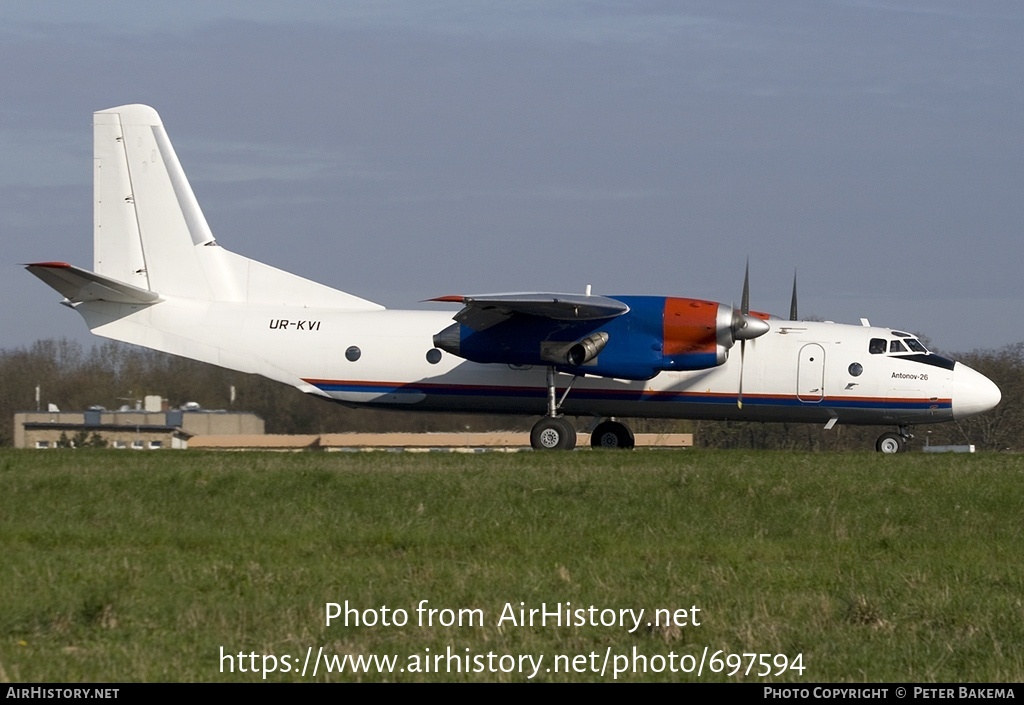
(114, 375)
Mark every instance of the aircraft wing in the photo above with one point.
(484, 311)
(78, 285)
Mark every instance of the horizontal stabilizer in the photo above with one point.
(78, 285)
(483, 311)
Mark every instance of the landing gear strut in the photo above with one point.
(553, 432)
(893, 442)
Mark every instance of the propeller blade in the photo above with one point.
(745, 301)
(792, 301)
(739, 396)
(745, 326)
(741, 328)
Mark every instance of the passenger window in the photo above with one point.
(876, 346)
(896, 347)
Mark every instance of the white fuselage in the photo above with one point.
(798, 371)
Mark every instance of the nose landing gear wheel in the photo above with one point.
(553, 433)
(612, 434)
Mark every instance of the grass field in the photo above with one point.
(132, 566)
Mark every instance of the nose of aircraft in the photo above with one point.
(973, 392)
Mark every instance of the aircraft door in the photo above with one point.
(810, 376)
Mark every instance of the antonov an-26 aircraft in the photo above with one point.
(162, 281)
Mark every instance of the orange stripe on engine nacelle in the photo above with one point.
(690, 326)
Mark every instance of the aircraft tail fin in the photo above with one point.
(150, 233)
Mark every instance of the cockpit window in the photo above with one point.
(881, 346)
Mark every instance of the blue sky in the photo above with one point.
(404, 150)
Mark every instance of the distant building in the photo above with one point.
(138, 429)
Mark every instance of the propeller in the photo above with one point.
(737, 331)
(792, 301)
(745, 327)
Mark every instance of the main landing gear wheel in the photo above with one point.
(612, 434)
(553, 433)
(890, 443)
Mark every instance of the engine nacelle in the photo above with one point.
(657, 334)
(695, 334)
(698, 334)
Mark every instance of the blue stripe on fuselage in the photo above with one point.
(625, 395)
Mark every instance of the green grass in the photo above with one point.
(130, 566)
